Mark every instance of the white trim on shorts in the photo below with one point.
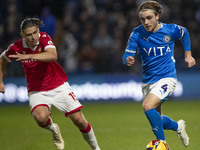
(61, 97)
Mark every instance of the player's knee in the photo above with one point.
(41, 119)
(146, 106)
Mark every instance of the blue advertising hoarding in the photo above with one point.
(103, 87)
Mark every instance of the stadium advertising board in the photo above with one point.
(102, 88)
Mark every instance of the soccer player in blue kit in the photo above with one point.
(154, 42)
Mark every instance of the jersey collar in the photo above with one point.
(161, 25)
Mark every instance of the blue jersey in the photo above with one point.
(156, 50)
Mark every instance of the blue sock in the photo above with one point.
(169, 124)
(156, 123)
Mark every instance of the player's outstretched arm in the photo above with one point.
(50, 54)
(3, 64)
(189, 59)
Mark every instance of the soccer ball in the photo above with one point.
(157, 145)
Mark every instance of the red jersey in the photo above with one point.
(40, 76)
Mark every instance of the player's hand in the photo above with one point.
(19, 56)
(2, 88)
(130, 60)
(190, 61)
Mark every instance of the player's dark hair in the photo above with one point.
(29, 22)
(153, 5)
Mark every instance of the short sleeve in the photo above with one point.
(9, 51)
(132, 43)
(179, 31)
(46, 41)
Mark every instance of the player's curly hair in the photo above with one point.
(153, 5)
(29, 22)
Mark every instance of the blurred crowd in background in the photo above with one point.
(91, 35)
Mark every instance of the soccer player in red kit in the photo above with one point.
(46, 81)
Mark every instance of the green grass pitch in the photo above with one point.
(118, 126)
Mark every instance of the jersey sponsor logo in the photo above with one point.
(28, 61)
(167, 38)
(154, 51)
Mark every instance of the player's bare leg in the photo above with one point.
(42, 117)
(158, 108)
(85, 128)
(152, 101)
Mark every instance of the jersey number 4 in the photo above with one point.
(164, 88)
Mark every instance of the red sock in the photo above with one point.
(48, 122)
(87, 129)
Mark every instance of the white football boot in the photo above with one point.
(182, 133)
(57, 139)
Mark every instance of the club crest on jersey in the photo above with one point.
(167, 38)
(39, 50)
